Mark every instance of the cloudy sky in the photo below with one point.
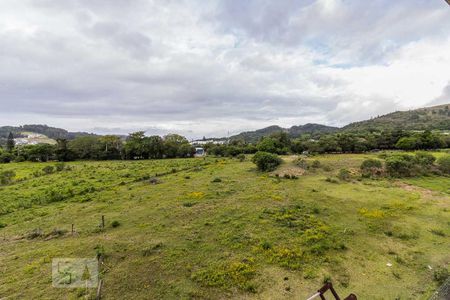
(201, 67)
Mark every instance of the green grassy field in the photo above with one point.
(216, 229)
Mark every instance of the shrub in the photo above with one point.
(266, 161)
(400, 165)
(441, 274)
(371, 167)
(6, 157)
(425, 159)
(331, 180)
(154, 181)
(99, 251)
(115, 224)
(266, 245)
(217, 179)
(444, 164)
(19, 158)
(48, 169)
(60, 166)
(344, 174)
(301, 162)
(6, 177)
(316, 164)
(327, 168)
(36, 233)
(240, 157)
(148, 251)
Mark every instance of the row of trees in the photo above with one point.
(139, 146)
(136, 146)
(280, 143)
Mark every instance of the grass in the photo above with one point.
(248, 235)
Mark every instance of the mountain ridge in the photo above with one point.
(426, 118)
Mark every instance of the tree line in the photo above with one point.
(139, 146)
(281, 143)
(109, 147)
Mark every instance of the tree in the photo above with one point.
(176, 145)
(154, 147)
(63, 153)
(86, 147)
(10, 144)
(39, 152)
(267, 144)
(111, 146)
(407, 143)
(134, 146)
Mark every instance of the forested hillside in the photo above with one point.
(429, 118)
(294, 131)
(51, 132)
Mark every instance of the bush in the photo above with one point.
(60, 166)
(301, 162)
(266, 161)
(6, 177)
(217, 179)
(316, 164)
(6, 157)
(444, 164)
(48, 169)
(425, 159)
(440, 275)
(19, 158)
(371, 167)
(401, 165)
(115, 224)
(344, 174)
(240, 157)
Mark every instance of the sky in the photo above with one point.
(216, 68)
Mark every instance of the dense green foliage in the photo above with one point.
(109, 147)
(444, 164)
(266, 161)
(406, 165)
(371, 167)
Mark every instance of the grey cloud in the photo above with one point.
(195, 67)
(444, 98)
(353, 31)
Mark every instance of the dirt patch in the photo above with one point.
(412, 188)
(288, 170)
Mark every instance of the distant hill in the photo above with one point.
(432, 118)
(294, 131)
(50, 132)
(312, 128)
